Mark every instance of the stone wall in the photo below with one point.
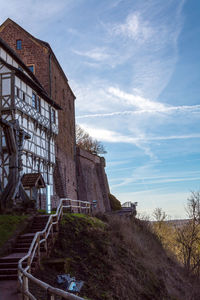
(92, 180)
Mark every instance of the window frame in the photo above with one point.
(34, 100)
(19, 44)
(31, 66)
(53, 116)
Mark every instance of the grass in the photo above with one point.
(8, 226)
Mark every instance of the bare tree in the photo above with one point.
(86, 142)
(159, 215)
(193, 206)
(188, 236)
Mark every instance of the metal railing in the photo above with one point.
(42, 237)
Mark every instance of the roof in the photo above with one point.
(33, 180)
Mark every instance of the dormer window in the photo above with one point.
(19, 44)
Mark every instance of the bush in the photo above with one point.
(114, 202)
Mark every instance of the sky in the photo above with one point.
(134, 66)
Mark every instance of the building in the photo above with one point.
(29, 122)
(38, 56)
(38, 104)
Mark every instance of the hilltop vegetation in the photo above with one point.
(182, 240)
(117, 258)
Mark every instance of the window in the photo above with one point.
(19, 44)
(17, 92)
(38, 105)
(34, 104)
(31, 68)
(53, 116)
(23, 96)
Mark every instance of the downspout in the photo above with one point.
(50, 75)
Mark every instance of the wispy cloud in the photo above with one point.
(42, 12)
(134, 28)
(115, 137)
(135, 100)
(98, 54)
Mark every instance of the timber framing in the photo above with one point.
(28, 129)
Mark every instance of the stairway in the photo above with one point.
(9, 264)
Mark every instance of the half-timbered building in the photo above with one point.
(38, 56)
(29, 126)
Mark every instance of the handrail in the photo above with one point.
(24, 273)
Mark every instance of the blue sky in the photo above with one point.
(134, 68)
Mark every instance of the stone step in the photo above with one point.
(23, 245)
(12, 265)
(25, 250)
(8, 277)
(24, 241)
(28, 237)
(38, 224)
(10, 259)
(12, 271)
(36, 229)
(20, 250)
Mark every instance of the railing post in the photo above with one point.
(57, 225)
(71, 210)
(29, 264)
(45, 243)
(25, 288)
(51, 229)
(50, 296)
(38, 249)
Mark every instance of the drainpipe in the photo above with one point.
(50, 75)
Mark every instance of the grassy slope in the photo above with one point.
(119, 259)
(8, 225)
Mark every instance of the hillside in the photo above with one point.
(117, 258)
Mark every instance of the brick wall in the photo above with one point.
(32, 52)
